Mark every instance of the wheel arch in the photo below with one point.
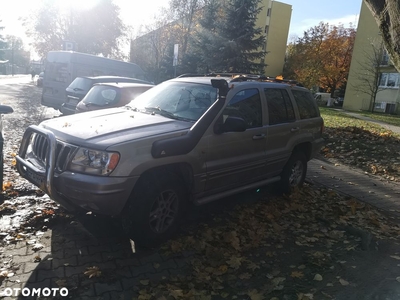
(305, 147)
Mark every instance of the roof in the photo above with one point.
(124, 84)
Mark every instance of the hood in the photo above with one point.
(107, 127)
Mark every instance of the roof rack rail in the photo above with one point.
(239, 77)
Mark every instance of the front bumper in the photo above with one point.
(105, 195)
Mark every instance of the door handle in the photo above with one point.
(294, 129)
(259, 137)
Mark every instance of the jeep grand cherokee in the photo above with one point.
(189, 139)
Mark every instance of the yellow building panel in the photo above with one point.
(274, 19)
(367, 33)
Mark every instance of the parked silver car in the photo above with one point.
(191, 139)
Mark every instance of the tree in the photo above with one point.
(16, 53)
(321, 57)
(369, 72)
(2, 42)
(228, 39)
(387, 16)
(151, 50)
(96, 31)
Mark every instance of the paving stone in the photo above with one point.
(71, 261)
(19, 259)
(140, 270)
(155, 257)
(101, 288)
(94, 258)
(12, 284)
(44, 274)
(99, 249)
(156, 277)
(30, 266)
(39, 284)
(127, 262)
(182, 262)
(70, 271)
(118, 295)
(18, 251)
(27, 277)
(165, 265)
(84, 291)
(123, 272)
(130, 283)
(81, 251)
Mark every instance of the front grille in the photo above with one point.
(40, 148)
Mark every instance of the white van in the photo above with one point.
(62, 67)
(322, 98)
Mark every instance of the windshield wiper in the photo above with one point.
(162, 112)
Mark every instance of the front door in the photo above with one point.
(237, 158)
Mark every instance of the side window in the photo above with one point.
(246, 104)
(305, 103)
(280, 107)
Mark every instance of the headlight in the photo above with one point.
(93, 162)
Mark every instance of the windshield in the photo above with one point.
(179, 100)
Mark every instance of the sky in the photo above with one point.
(305, 13)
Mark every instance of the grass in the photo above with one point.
(389, 119)
(337, 119)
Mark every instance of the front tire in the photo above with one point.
(154, 209)
(294, 172)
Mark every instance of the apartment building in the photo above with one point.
(274, 18)
(364, 67)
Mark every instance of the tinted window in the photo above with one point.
(305, 103)
(80, 83)
(102, 95)
(246, 104)
(280, 107)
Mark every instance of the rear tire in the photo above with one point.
(154, 209)
(294, 172)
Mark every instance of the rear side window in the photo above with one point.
(280, 107)
(102, 96)
(246, 104)
(81, 84)
(305, 103)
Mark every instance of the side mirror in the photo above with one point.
(231, 124)
(5, 109)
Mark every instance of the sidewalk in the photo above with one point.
(355, 183)
(395, 129)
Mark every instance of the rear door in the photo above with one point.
(282, 129)
(237, 158)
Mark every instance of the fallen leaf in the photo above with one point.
(255, 295)
(92, 272)
(343, 282)
(318, 277)
(37, 247)
(144, 282)
(297, 274)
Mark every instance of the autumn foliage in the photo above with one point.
(321, 57)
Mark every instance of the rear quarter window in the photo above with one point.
(305, 104)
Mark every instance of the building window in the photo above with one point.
(385, 58)
(389, 80)
(268, 12)
(266, 29)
